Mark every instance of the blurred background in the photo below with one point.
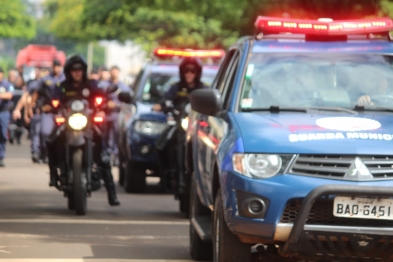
(123, 32)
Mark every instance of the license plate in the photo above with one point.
(358, 207)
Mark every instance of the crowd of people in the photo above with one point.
(22, 110)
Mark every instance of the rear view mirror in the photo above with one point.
(125, 97)
(206, 101)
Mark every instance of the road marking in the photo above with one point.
(143, 237)
(3, 251)
(92, 260)
(93, 222)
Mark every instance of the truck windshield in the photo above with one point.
(158, 83)
(323, 80)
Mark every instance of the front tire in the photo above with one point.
(79, 183)
(135, 178)
(185, 201)
(199, 250)
(227, 246)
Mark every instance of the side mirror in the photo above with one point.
(206, 101)
(125, 97)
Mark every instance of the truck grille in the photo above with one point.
(322, 214)
(336, 166)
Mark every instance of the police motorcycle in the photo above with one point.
(79, 123)
(173, 179)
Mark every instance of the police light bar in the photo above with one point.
(323, 26)
(164, 52)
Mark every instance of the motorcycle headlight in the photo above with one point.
(184, 123)
(77, 121)
(257, 165)
(149, 127)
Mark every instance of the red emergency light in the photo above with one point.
(164, 52)
(323, 26)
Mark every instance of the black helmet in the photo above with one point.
(75, 62)
(191, 61)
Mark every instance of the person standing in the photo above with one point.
(6, 93)
(111, 128)
(12, 76)
(103, 74)
(93, 75)
(16, 125)
(21, 108)
(43, 122)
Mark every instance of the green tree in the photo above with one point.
(155, 23)
(65, 21)
(189, 23)
(61, 26)
(15, 21)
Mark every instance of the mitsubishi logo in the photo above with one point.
(363, 243)
(358, 171)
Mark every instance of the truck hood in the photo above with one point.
(364, 134)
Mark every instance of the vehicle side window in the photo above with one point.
(218, 82)
(230, 79)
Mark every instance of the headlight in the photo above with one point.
(257, 165)
(184, 123)
(77, 106)
(149, 127)
(77, 121)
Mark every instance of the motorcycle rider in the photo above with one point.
(43, 122)
(77, 84)
(110, 129)
(190, 71)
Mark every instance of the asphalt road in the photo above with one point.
(35, 224)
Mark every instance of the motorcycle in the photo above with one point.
(173, 178)
(78, 127)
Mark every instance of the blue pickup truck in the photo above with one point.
(292, 146)
(139, 126)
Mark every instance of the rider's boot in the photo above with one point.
(53, 176)
(110, 187)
